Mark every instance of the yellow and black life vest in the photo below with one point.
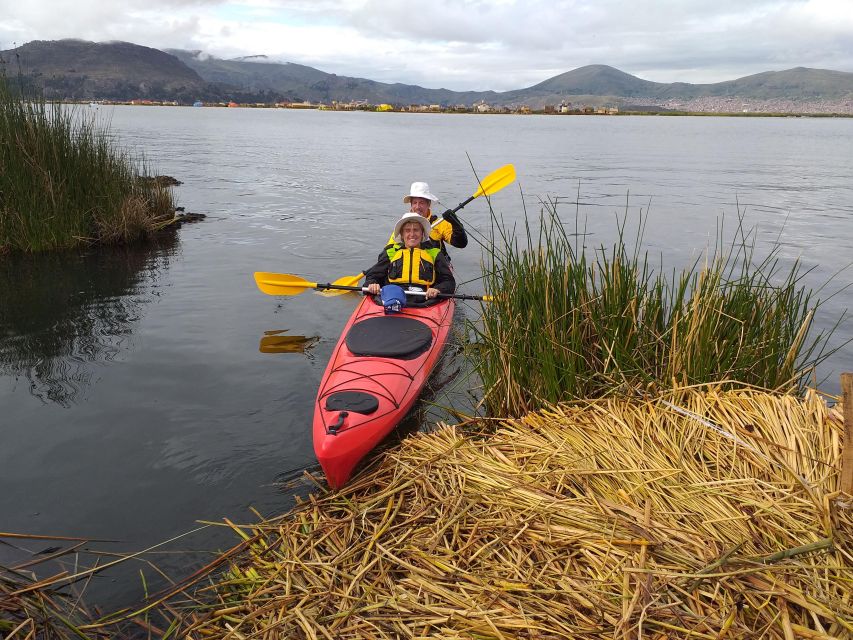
(412, 266)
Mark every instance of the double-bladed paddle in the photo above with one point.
(286, 284)
(492, 183)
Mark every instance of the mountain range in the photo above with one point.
(81, 70)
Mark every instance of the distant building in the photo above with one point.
(302, 105)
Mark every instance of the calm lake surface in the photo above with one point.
(134, 400)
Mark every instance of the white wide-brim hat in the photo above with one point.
(419, 190)
(411, 217)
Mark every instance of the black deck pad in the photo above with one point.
(355, 401)
(389, 337)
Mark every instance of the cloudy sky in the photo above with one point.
(468, 44)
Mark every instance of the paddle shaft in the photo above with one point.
(492, 183)
(461, 205)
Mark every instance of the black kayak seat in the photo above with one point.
(355, 401)
(389, 337)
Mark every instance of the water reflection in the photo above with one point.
(63, 314)
(274, 342)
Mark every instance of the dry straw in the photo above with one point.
(709, 515)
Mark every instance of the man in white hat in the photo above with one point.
(445, 230)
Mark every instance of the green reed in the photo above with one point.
(64, 183)
(568, 322)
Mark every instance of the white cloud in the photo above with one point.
(469, 44)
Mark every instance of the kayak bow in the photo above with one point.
(375, 375)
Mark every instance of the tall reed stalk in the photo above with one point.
(569, 323)
(63, 182)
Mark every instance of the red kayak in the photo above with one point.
(376, 373)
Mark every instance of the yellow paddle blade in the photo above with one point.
(346, 281)
(282, 284)
(495, 181)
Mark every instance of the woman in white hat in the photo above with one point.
(445, 230)
(412, 262)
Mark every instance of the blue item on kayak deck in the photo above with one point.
(393, 298)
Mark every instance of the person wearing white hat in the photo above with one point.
(445, 230)
(413, 262)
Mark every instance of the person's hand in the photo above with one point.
(374, 289)
(432, 293)
(451, 218)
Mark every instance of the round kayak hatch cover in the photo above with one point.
(355, 401)
(389, 337)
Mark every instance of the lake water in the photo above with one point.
(134, 400)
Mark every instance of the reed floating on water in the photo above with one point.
(700, 514)
(63, 182)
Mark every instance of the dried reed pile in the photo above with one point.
(701, 515)
(31, 609)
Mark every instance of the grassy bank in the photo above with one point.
(568, 322)
(63, 182)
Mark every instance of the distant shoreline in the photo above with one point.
(457, 111)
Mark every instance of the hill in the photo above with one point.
(596, 79)
(81, 70)
(76, 69)
(802, 83)
(299, 82)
